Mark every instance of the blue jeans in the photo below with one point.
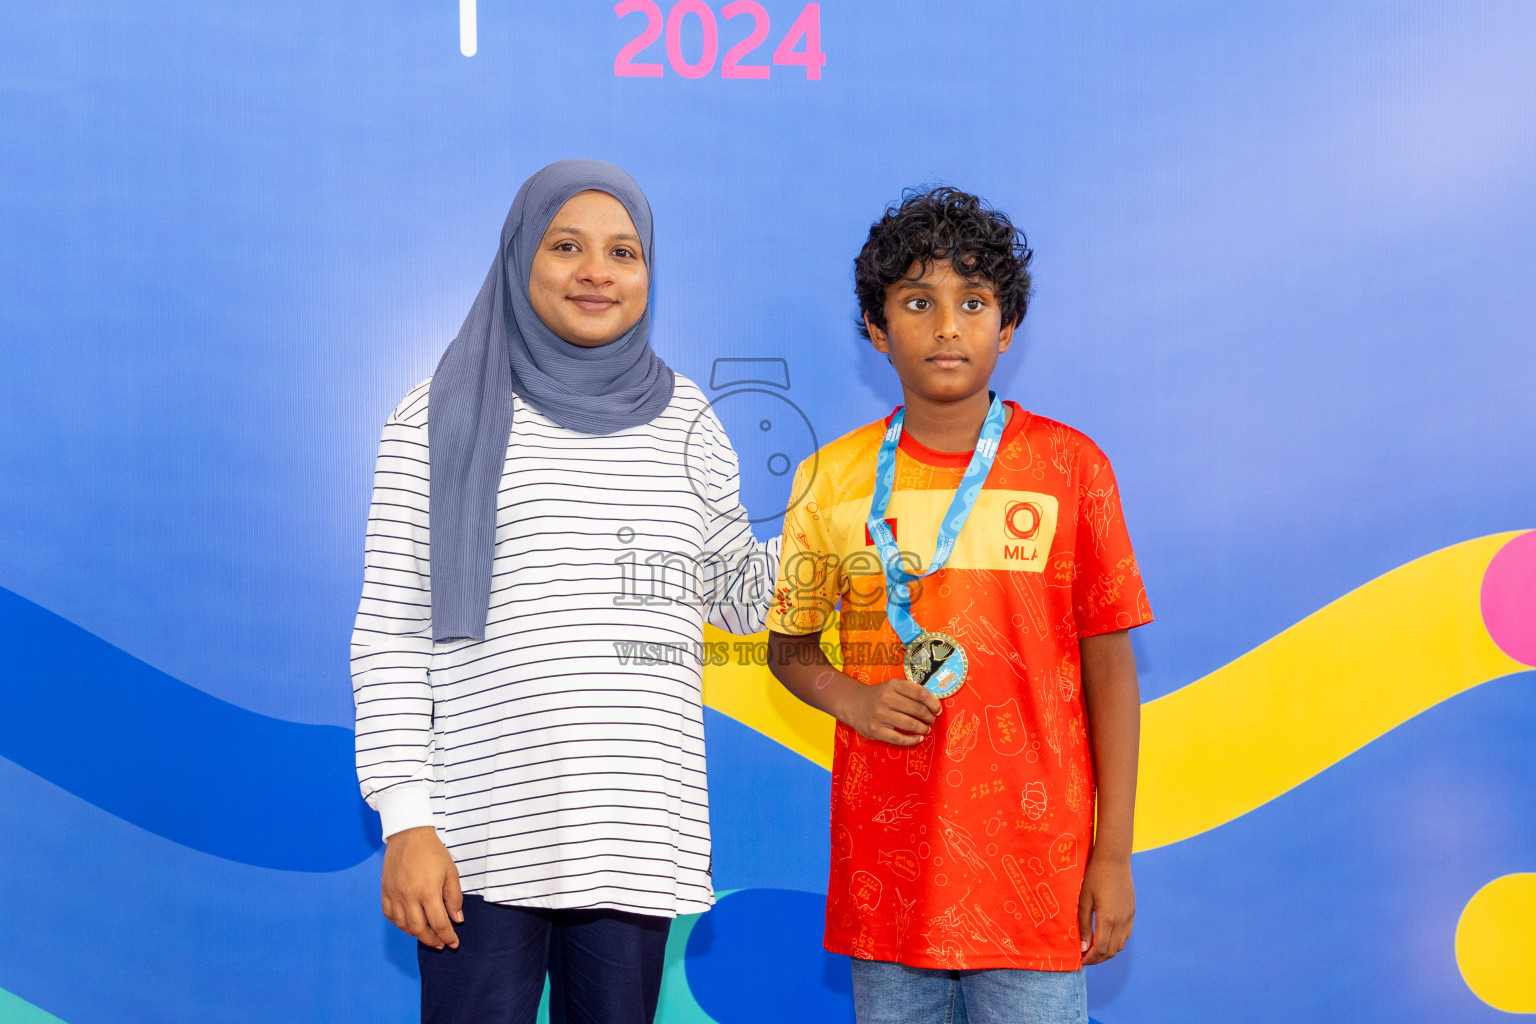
(604, 967)
(891, 993)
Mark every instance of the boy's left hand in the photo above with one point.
(1105, 908)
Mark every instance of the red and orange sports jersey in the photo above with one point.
(966, 850)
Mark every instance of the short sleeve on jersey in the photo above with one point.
(1107, 590)
(809, 583)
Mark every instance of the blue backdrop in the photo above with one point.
(1285, 272)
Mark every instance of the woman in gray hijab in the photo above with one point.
(555, 516)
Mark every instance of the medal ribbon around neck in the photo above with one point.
(948, 678)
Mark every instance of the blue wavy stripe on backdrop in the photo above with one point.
(169, 758)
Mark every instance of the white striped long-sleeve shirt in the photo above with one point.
(560, 759)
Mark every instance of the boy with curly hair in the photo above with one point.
(987, 710)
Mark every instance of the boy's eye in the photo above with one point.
(972, 305)
(917, 303)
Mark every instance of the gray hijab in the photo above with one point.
(505, 349)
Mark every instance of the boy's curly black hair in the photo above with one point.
(943, 224)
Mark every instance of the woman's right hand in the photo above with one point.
(421, 887)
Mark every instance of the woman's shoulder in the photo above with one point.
(686, 393)
(689, 405)
(412, 410)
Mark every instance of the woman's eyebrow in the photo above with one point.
(565, 229)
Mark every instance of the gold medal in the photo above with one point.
(936, 662)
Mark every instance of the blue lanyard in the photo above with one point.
(898, 607)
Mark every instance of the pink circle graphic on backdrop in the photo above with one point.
(1509, 598)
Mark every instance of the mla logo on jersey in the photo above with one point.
(1029, 526)
(1021, 519)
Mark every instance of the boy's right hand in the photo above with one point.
(421, 887)
(897, 711)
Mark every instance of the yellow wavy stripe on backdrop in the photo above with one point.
(1258, 726)
(1311, 696)
(749, 693)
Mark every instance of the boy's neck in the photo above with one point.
(947, 426)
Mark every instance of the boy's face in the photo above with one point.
(943, 333)
(588, 282)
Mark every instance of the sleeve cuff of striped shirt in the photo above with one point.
(408, 806)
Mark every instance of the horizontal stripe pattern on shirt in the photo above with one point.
(559, 772)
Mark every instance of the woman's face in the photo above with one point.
(588, 282)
